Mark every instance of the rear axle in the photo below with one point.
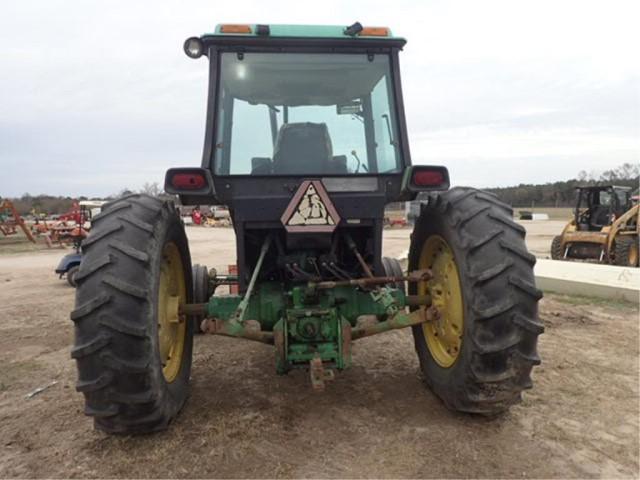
(315, 322)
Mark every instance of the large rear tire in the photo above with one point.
(132, 346)
(478, 356)
(626, 251)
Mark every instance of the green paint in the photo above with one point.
(267, 305)
(313, 330)
(311, 320)
(270, 302)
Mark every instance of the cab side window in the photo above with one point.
(384, 127)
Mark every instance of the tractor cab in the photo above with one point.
(598, 207)
(305, 128)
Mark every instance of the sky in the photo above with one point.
(98, 96)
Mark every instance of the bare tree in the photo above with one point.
(152, 188)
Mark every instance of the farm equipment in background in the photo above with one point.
(604, 227)
(10, 221)
(395, 216)
(219, 217)
(306, 143)
(74, 224)
(75, 214)
(81, 216)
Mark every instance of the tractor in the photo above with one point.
(305, 143)
(604, 227)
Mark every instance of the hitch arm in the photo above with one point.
(238, 316)
(400, 320)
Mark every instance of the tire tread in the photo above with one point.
(501, 298)
(114, 349)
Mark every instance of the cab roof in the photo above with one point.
(302, 31)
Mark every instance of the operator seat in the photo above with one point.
(600, 217)
(302, 148)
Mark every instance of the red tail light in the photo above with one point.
(428, 178)
(424, 178)
(188, 181)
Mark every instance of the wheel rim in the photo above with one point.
(172, 293)
(444, 335)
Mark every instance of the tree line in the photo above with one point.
(555, 194)
(562, 194)
(55, 205)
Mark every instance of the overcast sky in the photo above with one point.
(99, 96)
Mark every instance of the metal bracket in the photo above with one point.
(383, 296)
(318, 374)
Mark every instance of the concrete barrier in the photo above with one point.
(539, 216)
(582, 278)
(589, 279)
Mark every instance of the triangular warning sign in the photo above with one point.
(310, 207)
(311, 210)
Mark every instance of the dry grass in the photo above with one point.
(19, 243)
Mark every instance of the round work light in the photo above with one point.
(193, 47)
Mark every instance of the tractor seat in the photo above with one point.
(600, 217)
(302, 148)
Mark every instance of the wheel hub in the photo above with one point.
(444, 335)
(171, 325)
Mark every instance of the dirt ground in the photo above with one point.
(375, 420)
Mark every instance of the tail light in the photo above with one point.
(427, 177)
(187, 181)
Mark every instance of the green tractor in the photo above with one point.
(305, 143)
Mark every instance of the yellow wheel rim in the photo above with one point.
(172, 327)
(444, 335)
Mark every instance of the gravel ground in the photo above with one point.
(375, 420)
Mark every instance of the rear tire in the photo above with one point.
(200, 292)
(495, 327)
(626, 251)
(557, 252)
(135, 272)
(393, 268)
